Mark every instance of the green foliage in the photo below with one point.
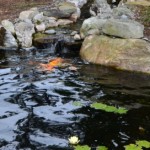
(109, 108)
(138, 146)
(84, 147)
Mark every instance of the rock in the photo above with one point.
(124, 54)
(8, 25)
(77, 37)
(67, 9)
(73, 33)
(52, 31)
(75, 15)
(90, 24)
(94, 31)
(123, 28)
(10, 41)
(78, 3)
(61, 10)
(7, 40)
(40, 27)
(118, 12)
(39, 18)
(24, 31)
(28, 14)
(101, 8)
(63, 22)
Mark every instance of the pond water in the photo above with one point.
(37, 110)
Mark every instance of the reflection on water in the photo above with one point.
(37, 111)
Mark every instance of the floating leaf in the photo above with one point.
(77, 103)
(132, 147)
(84, 147)
(102, 148)
(143, 143)
(109, 108)
(122, 110)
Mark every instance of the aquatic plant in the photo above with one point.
(138, 146)
(77, 103)
(86, 147)
(108, 108)
(83, 147)
(102, 148)
(74, 140)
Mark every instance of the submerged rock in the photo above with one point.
(123, 28)
(24, 31)
(124, 54)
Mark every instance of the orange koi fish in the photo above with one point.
(52, 64)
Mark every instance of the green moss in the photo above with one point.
(39, 36)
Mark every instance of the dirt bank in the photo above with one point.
(10, 9)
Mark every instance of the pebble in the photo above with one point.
(52, 31)
(74, 33)
(77, 37)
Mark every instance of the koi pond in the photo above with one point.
(41, 108)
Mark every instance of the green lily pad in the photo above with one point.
(143, 143)
(108, 108)
(84, 147)
(102, 148)
(77, 103)
(132, 147)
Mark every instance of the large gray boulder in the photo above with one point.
(93, 23)
(8, 25)
(124, 28)
(63, 10)
(124, 54)
(24, 32)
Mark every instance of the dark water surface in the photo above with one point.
(37, 111)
